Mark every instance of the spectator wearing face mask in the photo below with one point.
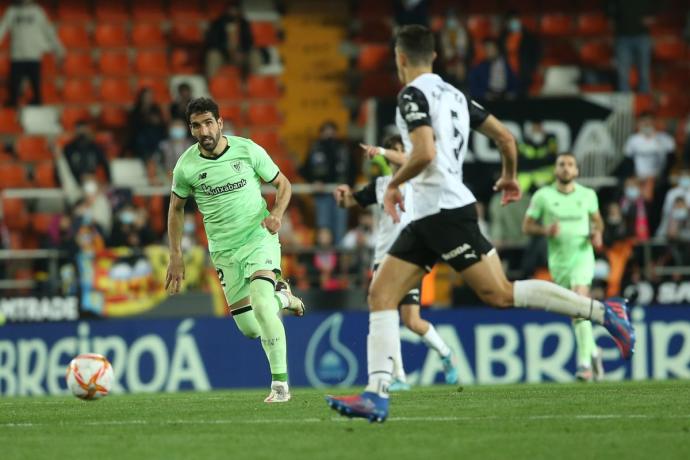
(131, 229)
(84, 156)
(189, 238)
(682, 191)
(618, 244)
(96, 204)
(538, 153)
(678, 232)
(522, 50)
(170, 149)
(492, 78)
(634, 210)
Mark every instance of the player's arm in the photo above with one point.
(533, 227)
(393, 156)
(273, 221)
(344, 197)
(175, 274)
(504, 140)
(597, 224)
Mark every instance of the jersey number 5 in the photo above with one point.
(458, 138)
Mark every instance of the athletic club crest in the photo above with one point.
(237, 166)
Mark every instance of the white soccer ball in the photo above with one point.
(89, 376)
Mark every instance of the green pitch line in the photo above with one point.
(610, 420)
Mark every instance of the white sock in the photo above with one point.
(283, 299)
(434, 341)
(383, 344)
(398, 368)
(552, 297)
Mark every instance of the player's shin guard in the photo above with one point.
(246, 321)
(382, 345)
(547, 296)
(266, 308)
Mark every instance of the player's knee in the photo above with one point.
(263, 300)
(416, 325)
(376, 298)
(250, 333)
(497, 296)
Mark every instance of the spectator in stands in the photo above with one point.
(178, 107)
(634, 210)
(31, 34)
(411, 12)
(678, 232)
(505, 222)
(614, 225)
(131, 228)
(686, 151)
(492, 78)
(88, 234)
(537, 155)
(326, 260)
(649, 150)
(456, 49)
(359, 241)
(522, 49)
(84, 156)
(95, 206)
(170, 149)
(146, 126)
(329, 162)
(632, 41)
(228, 40)
(682, 191)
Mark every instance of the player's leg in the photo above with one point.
(431, 338)
(243, 315)
(399, 382)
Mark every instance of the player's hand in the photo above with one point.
(175, 275)
(597, 240)
(271, 223)
(392, 200)
(340, 193)
(370, 150)
(553, 229)
(509, 188)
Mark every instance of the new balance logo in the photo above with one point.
(458, 252)
(202, 176)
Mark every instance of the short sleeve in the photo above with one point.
(593, 202)
(263, 164)
(414, 108)
(478, 114)
(536, 207)
(180, 185)
(366, 196)
(629, 149)
(668, 143)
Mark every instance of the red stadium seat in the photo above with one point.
(225, 88)
(116, 90)
(49, 66)
(556, 25)
(41, 222)
(670, 49)
(78, 91)
(5, 63)
(9, 122)
(264, 34)
(109, 11)
(263, 87)
(44, 175)
(111, 35)
(673, 105)
(73, 114)
(74, 35)
(596, 54)
(152, 63)
(147, 35)
(184, 10)
(263, 115)
(232, 113)
(185, 61)
(149, 10)
(593, 24)
(74, 10)
(480, 27)
(113, 117)
(78, 64)
(186, 33)
(114, 63)
(12, 175)
(269, 140)
(159, 86)
(32, 149)
(14, 212)
(374, 57)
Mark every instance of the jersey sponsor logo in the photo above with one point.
(460, 250)
(229, 187)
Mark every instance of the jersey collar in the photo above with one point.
(227, 147)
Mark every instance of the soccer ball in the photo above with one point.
(89, 376)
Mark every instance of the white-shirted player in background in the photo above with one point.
(386, 231)
(435, 119)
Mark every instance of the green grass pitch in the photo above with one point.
(628, 420)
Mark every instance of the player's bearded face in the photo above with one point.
(566, 170)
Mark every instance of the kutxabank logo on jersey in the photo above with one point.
(227, 188)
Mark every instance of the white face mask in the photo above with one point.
(647, 130)
(90, 187)
(632, 193)
(538, 137)
(514, 25)
(679, 213)
(684, 182)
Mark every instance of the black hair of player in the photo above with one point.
(567, 154)
(391, 141)
(202, 105)
(417, 43)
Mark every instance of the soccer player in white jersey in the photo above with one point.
(386, 231)
(435, 119)
(224, 174)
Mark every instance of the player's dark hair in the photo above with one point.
(391, 141)
(202, 105)
(417, 43)
(566, 154)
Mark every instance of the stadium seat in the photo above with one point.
(32, 149)
(186, 33)
(596, 54)
(479, 27)
(152, 63)
(74, 10)
(49, 67)
(374, 57)
(643, 103)
(185, 61)
(670, 49)
(147, 35)
(673, 105)
(589, 24)
(114, 63)
(225, 88)
(5, 63)
(49, 92)
(232, 113)
(12, 175)
(159, 86)
(263, 87)
(264, 34)
(41, 222)
(73, 114)
(9, 122)
(116, 90)
(269, 140)
(149, 10)
(74, 35)
(113, 117)
(184, 10)
(78, 64)
(559, 52)
(109, 11)
(111, 35)
(78, 91)
(530, 22)
(42, 120)
(44, 175)
(263, 115)
(556, 25)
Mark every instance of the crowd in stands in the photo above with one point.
(492, 54)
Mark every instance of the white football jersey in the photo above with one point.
(430, 101)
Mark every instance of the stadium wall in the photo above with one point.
(328, 350)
